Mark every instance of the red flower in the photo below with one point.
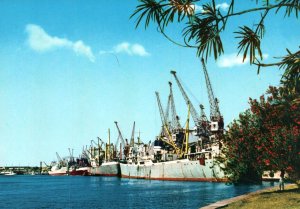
(267, 162)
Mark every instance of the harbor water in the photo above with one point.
(112, 192)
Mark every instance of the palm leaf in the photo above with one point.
(249, 44)
(150, 10)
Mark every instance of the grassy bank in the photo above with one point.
(290, 198)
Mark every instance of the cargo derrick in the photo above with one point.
(217, 122)
(94, 151)
(174, 126)
(61, 162)
(167, 112)
(175, 119)
(187, 132)
(166, 135)
(123, 145)
(97, 153)
(132, 135)
(200, 130)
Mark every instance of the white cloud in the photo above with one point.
(123, 47)
(139, 50)
(231, 60)
(131, 49)
(198, 8)
(265, 56)
(224, 6)
(81, 49)
(40, 41)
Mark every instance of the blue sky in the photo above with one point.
(69, 69)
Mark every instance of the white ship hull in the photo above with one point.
(177, 170)
(58, 171)
(63, 171)
(106, 169)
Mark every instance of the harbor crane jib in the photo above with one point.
(175, 118)
(199, 129)
(217, 123)
(166, 135)
(123, 144)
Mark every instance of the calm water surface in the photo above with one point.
(112, 192)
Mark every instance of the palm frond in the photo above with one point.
(250, 42)
(291, 76)
(151, 10)
(204, 31)
(179, 9)
(290, 7)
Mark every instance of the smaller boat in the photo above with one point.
(9, 173)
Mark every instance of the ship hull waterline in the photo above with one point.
(106, 169)
(178, 170)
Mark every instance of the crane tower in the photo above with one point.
(215, 115)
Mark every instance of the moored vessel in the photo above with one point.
(106, 169)
(8, 173)
(178, 153)
(104, 161)
(174, 170)
(70, 166)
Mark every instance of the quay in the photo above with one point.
(226, 202)
(25, 170)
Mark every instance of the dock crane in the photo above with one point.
(166, 135)
(175, 119)
(100, 143)
(122, 144)
(173, 122)
(71, 154)
(200, 130)
(217, 123)
(60, 160)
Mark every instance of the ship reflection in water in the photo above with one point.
(112, 192)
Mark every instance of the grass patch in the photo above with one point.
(290, 198)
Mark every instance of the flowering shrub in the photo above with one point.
(265, 137)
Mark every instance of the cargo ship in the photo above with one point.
(178, 153)
(106, 169)
(104, 161)
(65, 171)
(70, 166)
(196, 167)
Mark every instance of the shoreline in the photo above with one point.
(226, 202)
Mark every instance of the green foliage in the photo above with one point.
(204, 27)
(291, 76)
(149, 9)
(250, 41)
(204, 30)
